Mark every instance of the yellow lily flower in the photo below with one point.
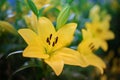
(101, 31)
(50, 45)
(100, 27)
(86, 49)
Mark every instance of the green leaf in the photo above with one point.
(33, 7)
(41, 11)
(63, 17)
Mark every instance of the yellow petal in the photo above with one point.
(107, 35)
(35, 52)
(72, 57)
(29, 36)
(55, 63)
(86, 34)
(65, 35)
(94, 60)
(45, 28)
(103, 45)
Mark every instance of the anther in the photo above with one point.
(91, 45)
(53, 44)
(50, 36)
(48, 41)
(56, 40)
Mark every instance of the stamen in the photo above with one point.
(91, 46)
(48, 41)
(53, 44)
(56, 40)
(50, 36)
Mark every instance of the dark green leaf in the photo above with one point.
(33, 7)
(40, 12)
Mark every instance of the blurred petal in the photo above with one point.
(86, 34)
(55, 63)
(31, 21)
(95, 61)
(8, 27)
(107, 35)
(72, 57)
(103, 45)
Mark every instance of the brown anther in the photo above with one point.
(50, 36)
(56, 40)
(48, 41)
(53, 44)
(91, 46)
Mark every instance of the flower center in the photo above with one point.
(50, 42)
(99, 31)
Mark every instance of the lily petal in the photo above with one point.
(107, 35)
(55, 63)
(29, 36)
(103, 45)
(95, 61)
(45, 28)
(72, 57)
(86, 34)
(35, 52)
(65, 35)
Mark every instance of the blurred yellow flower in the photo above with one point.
(31, 21)
(99, 27)
(101, 31)
(7, 27)
(87, 47)
(40, 3)
(50, 45)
